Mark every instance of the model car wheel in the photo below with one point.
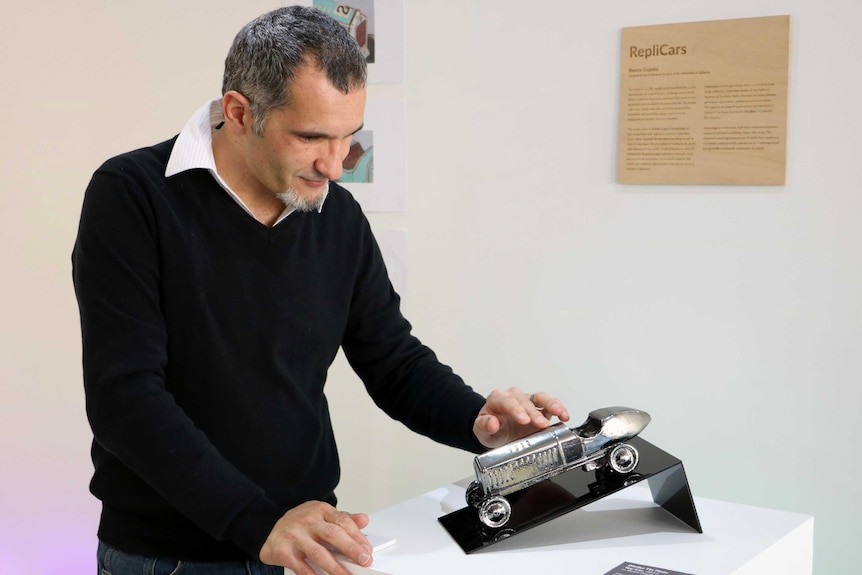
(474, 494)
(495, 512)
(623, 458)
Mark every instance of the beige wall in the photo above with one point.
(732, 315)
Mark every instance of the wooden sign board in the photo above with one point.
(704, 102)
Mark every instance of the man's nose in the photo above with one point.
(330, 163)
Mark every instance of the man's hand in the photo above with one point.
(309, 531)
(512, 414)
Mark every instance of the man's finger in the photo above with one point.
(341, 532)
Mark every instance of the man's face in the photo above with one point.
(304, 143)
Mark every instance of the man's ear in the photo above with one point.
(237, 113)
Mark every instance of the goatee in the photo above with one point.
(292, 199)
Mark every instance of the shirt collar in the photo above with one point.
(194, 146)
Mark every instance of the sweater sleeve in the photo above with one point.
(134, 417)
(403, 376)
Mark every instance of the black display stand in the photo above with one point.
(577, 488)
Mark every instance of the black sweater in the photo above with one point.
(206, 342)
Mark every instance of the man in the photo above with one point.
(217, 275)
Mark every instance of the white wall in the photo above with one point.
(732, 315)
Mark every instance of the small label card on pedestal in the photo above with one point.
(635, 569)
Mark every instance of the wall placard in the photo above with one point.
(704, 102)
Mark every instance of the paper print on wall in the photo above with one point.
(377, 26)
(375, 170)
(358, 166)
(358, 17)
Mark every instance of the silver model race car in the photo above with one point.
(596, 444)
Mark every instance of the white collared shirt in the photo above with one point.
(194, 149)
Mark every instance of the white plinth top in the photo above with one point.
(625, 527)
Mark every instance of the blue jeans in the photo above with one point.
(115, 562)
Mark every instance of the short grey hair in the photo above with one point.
(267, 53)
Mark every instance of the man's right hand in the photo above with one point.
(309, 531)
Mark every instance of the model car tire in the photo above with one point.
(623, 458)
(495, 512)
(473, 495)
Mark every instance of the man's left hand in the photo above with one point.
(512, 414)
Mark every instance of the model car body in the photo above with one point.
(597, 443)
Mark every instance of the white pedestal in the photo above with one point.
(628, 526)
